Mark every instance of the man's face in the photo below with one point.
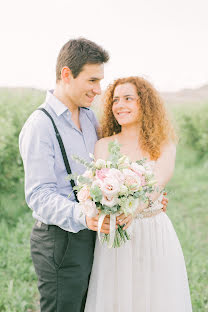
(82, 90)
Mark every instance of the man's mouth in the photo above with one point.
(91, 97)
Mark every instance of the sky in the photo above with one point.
(165, 41)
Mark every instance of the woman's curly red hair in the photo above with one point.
(154, 124)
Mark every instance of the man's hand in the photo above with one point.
(164, 202)
(92, 224)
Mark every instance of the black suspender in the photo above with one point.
(63, 152)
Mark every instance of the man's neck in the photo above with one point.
(74, 109)
(61, 96)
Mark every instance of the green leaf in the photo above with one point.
(96, 194)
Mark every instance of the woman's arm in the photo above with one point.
(163, 171)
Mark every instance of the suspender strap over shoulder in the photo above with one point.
(63, 151)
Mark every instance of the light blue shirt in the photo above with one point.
(46, 184)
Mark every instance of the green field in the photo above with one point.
(188, 197)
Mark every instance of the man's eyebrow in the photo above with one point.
(95, 78)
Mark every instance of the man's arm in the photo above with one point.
(41, 191)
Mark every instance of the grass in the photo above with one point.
(188, 211)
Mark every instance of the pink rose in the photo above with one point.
(110, 187)
(102, 173)
(109, 201)
(83, 194)
(89, 208)
(131, 179)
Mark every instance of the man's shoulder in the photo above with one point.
(37, 121)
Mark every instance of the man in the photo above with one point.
(62, 241)
(62, 254)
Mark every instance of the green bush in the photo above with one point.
(15, 106)
(18, 282)
(194, 130)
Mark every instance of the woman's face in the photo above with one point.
(125, 104)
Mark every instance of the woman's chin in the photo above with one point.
(124, 122)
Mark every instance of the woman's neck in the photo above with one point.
(129, 133)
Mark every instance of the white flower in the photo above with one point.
(116, 174)
(89, 208)
(131, 205)
(109, 201)
(110, 187)
(149, 166)
(91, 156)
(139, 169)
(97, 182)
(123, 190)
(108, 164)
(88, 174)
(100, 163)
(123, 162)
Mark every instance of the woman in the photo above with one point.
(148, 273)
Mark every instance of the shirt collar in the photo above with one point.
(58, 107)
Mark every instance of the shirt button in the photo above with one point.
(67, 113)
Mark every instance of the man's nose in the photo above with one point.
(97, 89)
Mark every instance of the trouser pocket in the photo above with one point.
(61, 246)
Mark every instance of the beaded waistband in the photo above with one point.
(148, 214)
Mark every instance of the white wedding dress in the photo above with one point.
(147, 274)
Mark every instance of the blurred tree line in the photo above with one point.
(17, 104)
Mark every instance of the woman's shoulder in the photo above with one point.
(105, 141)
(101, 147)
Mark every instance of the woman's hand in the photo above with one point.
(164, 202)
(123, 219)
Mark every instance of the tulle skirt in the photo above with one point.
(147, 274)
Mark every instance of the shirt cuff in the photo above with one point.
(80, 216)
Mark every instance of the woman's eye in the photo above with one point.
(115, 100)
(128, 98)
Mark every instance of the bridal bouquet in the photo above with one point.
(111, 188)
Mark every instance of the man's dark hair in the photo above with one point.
(78, 52)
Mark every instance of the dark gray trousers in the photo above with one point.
(63, 263)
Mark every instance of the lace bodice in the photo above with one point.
(157, 205)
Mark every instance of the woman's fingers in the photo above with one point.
(127, 224)
(120, 218)
(126, 220)
(164, 202)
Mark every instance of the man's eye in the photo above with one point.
(92, 80)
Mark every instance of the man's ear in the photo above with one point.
(66, 74)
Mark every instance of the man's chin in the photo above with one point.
(86, 105)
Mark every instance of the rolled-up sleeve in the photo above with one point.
(41, 192)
